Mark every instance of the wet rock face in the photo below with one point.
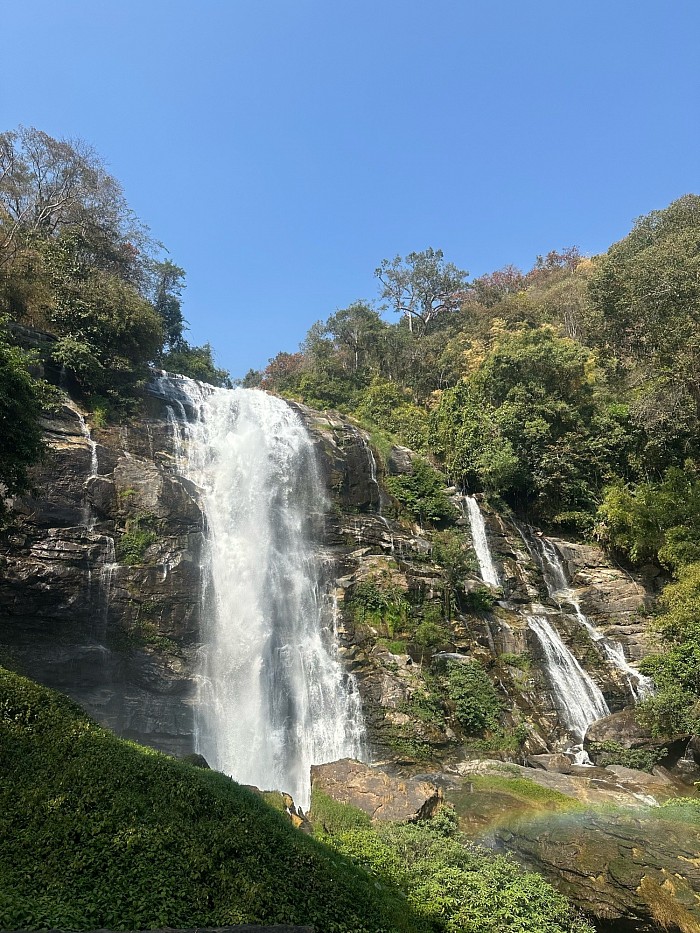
(116, 633)
(101, 578)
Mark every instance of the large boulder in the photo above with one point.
(638, 869)
(383, 797)
(623, 729)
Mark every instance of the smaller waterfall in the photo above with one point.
(561, 591)
(88, 515)
(373, 473)
(578, 699)
(487, 568)
(108, 560)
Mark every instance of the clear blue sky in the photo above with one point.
(281, 148)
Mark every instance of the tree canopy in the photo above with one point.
(77, 263)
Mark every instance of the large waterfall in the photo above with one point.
(274, 698)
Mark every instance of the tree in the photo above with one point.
(423, 287)
(646, 292)
(356, 330)
(22, 398)
(168, 283)
(48, 186)
(197, 363)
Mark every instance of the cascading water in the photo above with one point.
(274, 698)
(487, 569)
(561, 592)
(577, 698)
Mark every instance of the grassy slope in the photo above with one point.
(98, 832)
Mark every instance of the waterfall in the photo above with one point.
(108, 562)
(274, 698)
(487, 569)
(561, 591)
(577, 698)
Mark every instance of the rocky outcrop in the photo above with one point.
(99, 593)
(102, 577)
(637, 868)
(382, 796)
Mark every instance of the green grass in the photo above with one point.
(524, 790)
(97, 833)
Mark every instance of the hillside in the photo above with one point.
(97, 833)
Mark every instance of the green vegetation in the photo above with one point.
(137, 537)
(22, 398)
(75, 263)
(675, 708)
(612, 753)
(97, 833)
(452, 885)
(477, 705)
(421, 494)
(382, 604)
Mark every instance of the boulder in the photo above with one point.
(559, 763)
(636, 870)
(621, 728)
(400, 460)
(381, 796)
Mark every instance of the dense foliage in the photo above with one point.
(98, 833)
(22, 399)
(570, 391)
(451, 884)
(76, 263)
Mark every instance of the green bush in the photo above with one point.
(99, 833)
(477, 704)
(135, 540)
(612, 753)
(431, 634)
(480, 599)
(453, 886)
(381, 604)
(421, 494)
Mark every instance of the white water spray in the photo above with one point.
(487, 568)
(578, 699)
(274, 698)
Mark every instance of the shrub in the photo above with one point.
(98, 833)
(612, 753)
(453, 886)
(135, 540)
(421, 494)
(477, 704)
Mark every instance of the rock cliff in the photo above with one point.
(101, 586)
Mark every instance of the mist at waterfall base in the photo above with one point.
(273, 698)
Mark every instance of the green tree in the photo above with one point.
(168, 283)
(51, 186)
(675, 708)
(22, 398)
(646, 292)
(533, 423)
(422, 287)
(197, 363)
